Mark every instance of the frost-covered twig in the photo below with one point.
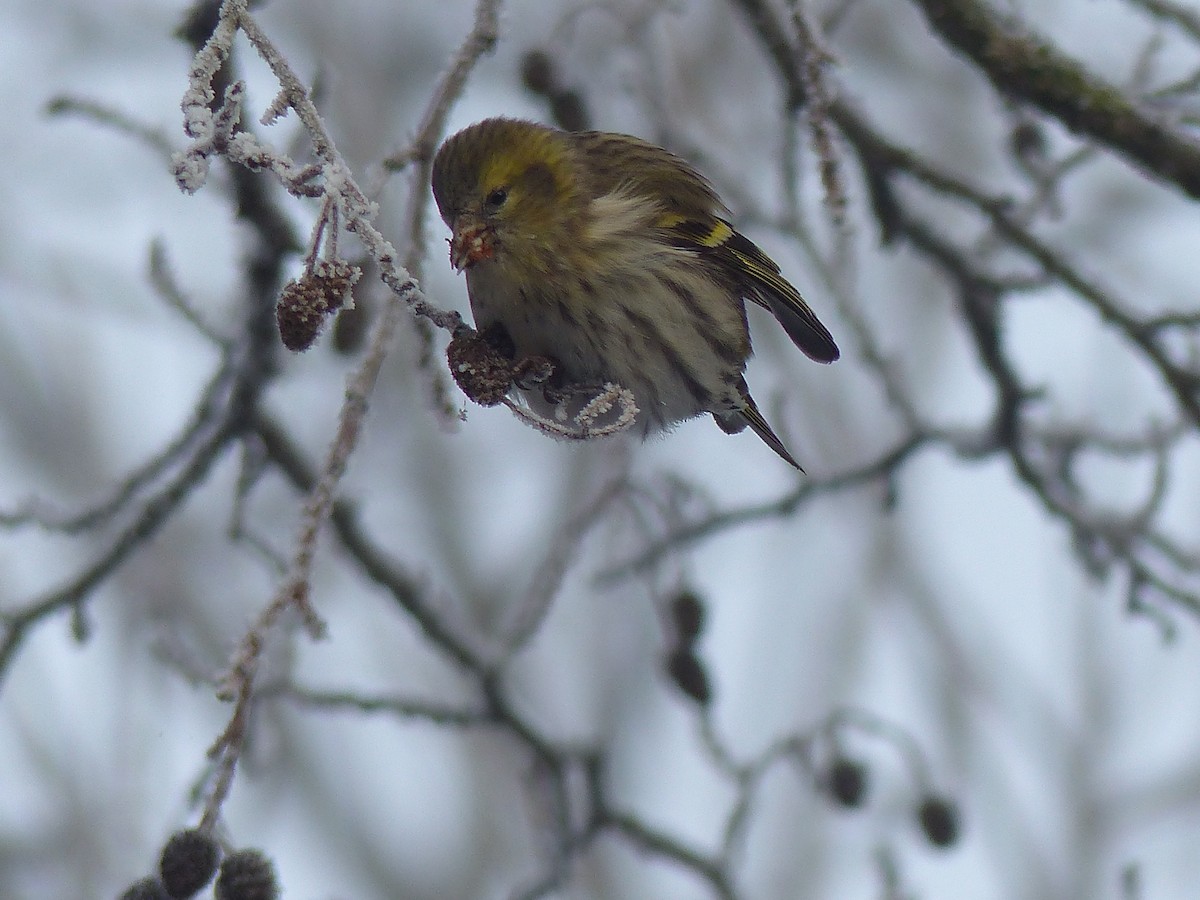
(214, 134)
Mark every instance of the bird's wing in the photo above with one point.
(756, 274)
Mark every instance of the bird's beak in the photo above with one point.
(473, 241)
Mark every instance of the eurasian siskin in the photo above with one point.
(614, 259)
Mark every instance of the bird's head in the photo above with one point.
(507, 189)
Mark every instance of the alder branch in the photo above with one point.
(1187, 19)
(1022, 65)
(213, 133)
(1157, 568)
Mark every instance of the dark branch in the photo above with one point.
(1024, 66)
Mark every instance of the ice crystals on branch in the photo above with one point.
(610, 409)
(212, 135)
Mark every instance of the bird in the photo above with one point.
(615, 259)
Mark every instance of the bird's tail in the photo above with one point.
(733, 422)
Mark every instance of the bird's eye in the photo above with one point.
(497, 198)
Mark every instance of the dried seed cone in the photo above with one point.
(188, 862)
(939, 819)
(146, 889)
(689, 675)
(847, 782)
(687, 611)
(246, 875)
(480, 371)
(305, 303)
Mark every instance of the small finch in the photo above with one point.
(614, 259)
